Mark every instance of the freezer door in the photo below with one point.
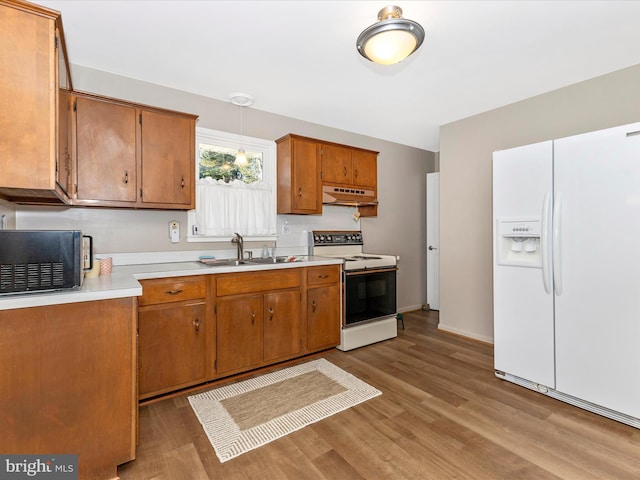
(523, 310)
(597, 178)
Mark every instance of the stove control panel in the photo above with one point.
(328, 237)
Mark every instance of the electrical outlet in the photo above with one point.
(174, 231)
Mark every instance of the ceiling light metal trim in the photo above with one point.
(390, 20)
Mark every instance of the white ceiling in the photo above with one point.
(298, 58)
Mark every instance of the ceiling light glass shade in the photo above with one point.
(241, 158)
(392, 39)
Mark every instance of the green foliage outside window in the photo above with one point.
(218, 163)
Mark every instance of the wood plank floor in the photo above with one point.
(442, 415)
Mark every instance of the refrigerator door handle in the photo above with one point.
(544, 243)
(557, 244)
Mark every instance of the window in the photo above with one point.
(229, 197)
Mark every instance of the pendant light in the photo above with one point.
(242, 100)
(392, 39)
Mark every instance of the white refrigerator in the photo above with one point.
(566, 270)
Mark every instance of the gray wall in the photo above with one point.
(399, 228)
(466, 148)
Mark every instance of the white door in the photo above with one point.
(433, 240)
(522, 306)
(597, 181)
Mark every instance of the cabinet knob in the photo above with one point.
(300, 191)
(270, 313)
(126, 177)
(253, 317)
(313, 306)
(182, 182)
(345, 171)
(355, 173)
(196, 325)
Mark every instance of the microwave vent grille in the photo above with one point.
(31, 276)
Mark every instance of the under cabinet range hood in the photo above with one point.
(348, 196)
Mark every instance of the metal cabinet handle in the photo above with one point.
(126, 177)
(270, 313)
(345, 170)
(196, 325)
(323, 276)
(313, 306)
(300, 191)
(253, 317)
(355, 173)
(173, 292)
(182, 182)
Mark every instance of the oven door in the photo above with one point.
(369, 295)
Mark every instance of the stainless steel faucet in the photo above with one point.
(237, 239)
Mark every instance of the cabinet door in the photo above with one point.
(307, 195)
(239, 333)
(365, 168)
(323, 317)
(171, 348)
(336, 164)
(27, 94)
(168, 163)
(105, 150)
(281, 324)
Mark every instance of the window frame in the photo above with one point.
(269, 174)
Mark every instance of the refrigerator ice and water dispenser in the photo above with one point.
(519, 242)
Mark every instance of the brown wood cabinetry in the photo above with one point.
(173, 326)
(34, 76)
(306, 164)
(199, 328)
(130, 155)
(67, 383)
(349, 166)
(299, 170)
(259, 319)
(323, 307)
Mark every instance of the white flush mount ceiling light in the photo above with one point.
(392, 39)
(242, 100)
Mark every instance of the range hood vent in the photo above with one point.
(348, 196)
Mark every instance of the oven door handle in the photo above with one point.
(352, 273)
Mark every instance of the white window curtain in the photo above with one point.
(225, 208)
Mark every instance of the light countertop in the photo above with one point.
(123, 282)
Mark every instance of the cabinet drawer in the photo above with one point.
(323, 275)
(174, 289)
(250, 282)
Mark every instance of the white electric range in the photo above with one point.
(369, 295)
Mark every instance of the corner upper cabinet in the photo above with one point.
(129, 155)
(299, 167)
(34, 77)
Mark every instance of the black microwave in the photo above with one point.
(37, 260)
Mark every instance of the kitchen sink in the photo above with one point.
(232, 262)
(224, 262)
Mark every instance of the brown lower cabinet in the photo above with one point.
(200, 328)
(67, 383)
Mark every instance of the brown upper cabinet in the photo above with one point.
(306, 164)
(349, 166)
(34, 83)
(299, 170)
(130, 155)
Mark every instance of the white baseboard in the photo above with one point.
(465, 333)
(410, 308)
